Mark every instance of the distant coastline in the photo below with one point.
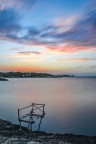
(30, 75)
(3, 79)
(5, 75)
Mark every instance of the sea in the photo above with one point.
(70, 103)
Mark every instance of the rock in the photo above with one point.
(11, 134)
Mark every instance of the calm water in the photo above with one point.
(70, 102)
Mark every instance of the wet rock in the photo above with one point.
(11, 134)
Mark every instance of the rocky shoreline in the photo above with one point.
(11, 134)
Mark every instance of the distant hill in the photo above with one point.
(30, 75)
(3, 79)
(23, 75)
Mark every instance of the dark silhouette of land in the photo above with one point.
(30, 75)
(3, 79)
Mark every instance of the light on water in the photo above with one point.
(70, 102)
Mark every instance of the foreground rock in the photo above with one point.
(10, 134)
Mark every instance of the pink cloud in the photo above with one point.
(76, 59)
(69, 49)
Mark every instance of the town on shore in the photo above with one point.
(30, 75)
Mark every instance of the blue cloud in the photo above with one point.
(17, 4)
(82, 33)
(9, 21)
(32, 31)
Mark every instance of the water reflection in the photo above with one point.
(70, 102)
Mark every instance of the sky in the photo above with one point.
(52, 36)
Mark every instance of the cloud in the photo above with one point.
(68, 48)
(79, 35)
(77, 59)
(9, 22)
(82, 33)
(29, 53)
(10, 27)
(14, 49)
(17, 4)
(32, 31)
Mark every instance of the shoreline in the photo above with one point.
(10, 133)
